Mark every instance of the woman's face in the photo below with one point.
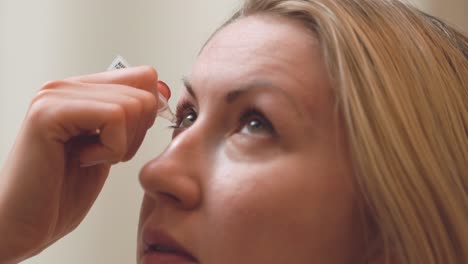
(257, 171)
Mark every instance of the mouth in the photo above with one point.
(160, 248)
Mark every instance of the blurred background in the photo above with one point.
(53, 39)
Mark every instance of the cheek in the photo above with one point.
(287, 205)
(145, 211)
(147, 207)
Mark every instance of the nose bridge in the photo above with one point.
(186, 145)
(177, 172)
(188, 150)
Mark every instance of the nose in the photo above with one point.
(175, 176)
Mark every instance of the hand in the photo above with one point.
(74, 131)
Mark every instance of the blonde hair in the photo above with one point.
(400, 78)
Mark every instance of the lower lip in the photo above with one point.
(165, 258)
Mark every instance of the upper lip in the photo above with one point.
(162, 238)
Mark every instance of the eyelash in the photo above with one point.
(185, 108)
(182, 109)
(253, 113)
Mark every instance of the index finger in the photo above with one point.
(142, 77)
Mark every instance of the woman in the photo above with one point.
(310, 132)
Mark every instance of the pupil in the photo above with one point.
(255, 125)
(188, 120)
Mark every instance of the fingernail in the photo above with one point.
(164, 89)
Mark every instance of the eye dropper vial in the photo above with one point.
(163, 111)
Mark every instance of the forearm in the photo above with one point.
(18, 238)
(14, 247)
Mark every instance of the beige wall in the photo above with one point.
(51, 39)
(453, 11)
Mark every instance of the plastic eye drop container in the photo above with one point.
(164, 111)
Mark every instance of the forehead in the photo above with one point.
(261, 39)
(277, 49)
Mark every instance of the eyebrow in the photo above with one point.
(189, 87)
(234, 95)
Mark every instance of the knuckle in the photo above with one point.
(53, 84)
(133, 106)
(117, 112)
(41, 104)
(148, 102)
(132, 101)
(42, 95)
(150, 72)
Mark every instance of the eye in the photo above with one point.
(186, 116)
(187, 120)
(254, 122)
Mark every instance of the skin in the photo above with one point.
(232, 189)
(259, 175)
(57, 167)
